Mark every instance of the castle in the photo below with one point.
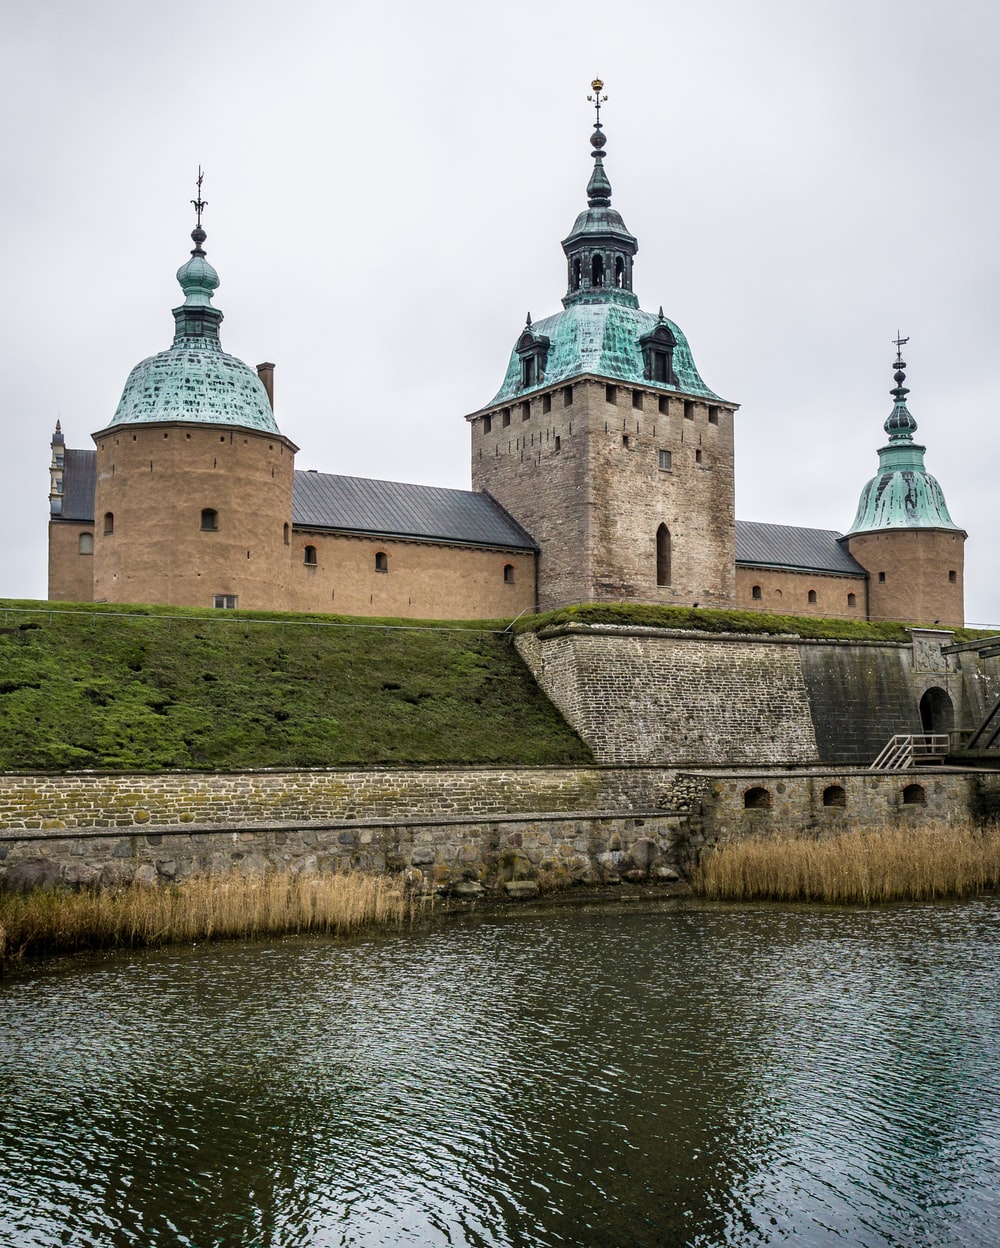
(602, 470)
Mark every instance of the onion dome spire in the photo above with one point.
(902, 494)
(198, 279)
(599, 248)
(900, 425)
(195, 380)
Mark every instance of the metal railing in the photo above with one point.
(905, 750)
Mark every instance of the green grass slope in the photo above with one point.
(700, 619)
(93, 687)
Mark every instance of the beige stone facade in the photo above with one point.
(345, 574)
(627, 491)
(788, 592)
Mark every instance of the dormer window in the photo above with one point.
(658, 355)
(533, 352)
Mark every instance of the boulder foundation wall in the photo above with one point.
(462, 830)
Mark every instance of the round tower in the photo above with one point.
(902, 533)
(193, 497)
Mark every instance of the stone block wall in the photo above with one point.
(659, 697)
(650, 696)
(592, 469)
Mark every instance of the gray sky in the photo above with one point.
(388, 183)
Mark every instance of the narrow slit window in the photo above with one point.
(663, 555)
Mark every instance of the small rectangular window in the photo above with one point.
(664, 405)
(625, 440)
(546, 402)
(953, 577)
(697, 457)
(567, 396)
(558, 443)
(637, 400)
(525, 411)
(688, 409)
(665, 461)
(881, 577)
(611, 394)
(505, 417)
(713, 415)
(225, 602)
(487, 424)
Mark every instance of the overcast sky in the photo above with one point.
(388, 184)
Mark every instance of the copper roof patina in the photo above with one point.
(601, 328)
(194, 379)
(902, 494)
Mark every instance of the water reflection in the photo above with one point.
(686, 1075)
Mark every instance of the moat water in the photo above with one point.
(680, 1074)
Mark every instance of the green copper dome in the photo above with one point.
(602, 330)
(902, 495)
(604, 338)
(195, 380)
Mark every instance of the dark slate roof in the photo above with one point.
(321, 500)
(79, 482)
(789, 546)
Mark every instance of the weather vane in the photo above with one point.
(597, 99)
(199, 203)
(900, 344)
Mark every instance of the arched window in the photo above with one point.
(756, 592)
(381, 562)
(834, 795)
(209, 519)
(109, 522)
(812, 595)
(286, 534)
(663, 555)
(86, 544)
(852, 600)
(914, 795)
(309, 559)
(508, 574)
(619, 272)
(577, 273)
(597, 271)
(757, 799)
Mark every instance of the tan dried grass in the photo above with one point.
(890, 863)
(223, 906)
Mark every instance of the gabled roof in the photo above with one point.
(797, 549)
(322, 500)
(79, 483)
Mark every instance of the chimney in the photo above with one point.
(266, 373)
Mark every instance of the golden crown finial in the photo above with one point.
(597, 99)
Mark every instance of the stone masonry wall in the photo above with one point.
(663, 697)
(651, 696)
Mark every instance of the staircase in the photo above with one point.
(905, 751)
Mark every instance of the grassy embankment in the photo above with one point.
(94, 687)
(861, 867)
(702, 620)
(229, 906)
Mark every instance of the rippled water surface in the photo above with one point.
(681, 1075)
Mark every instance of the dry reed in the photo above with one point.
(224, 906)
(865, 865)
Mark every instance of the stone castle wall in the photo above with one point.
(593, 469)
(659, 697)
